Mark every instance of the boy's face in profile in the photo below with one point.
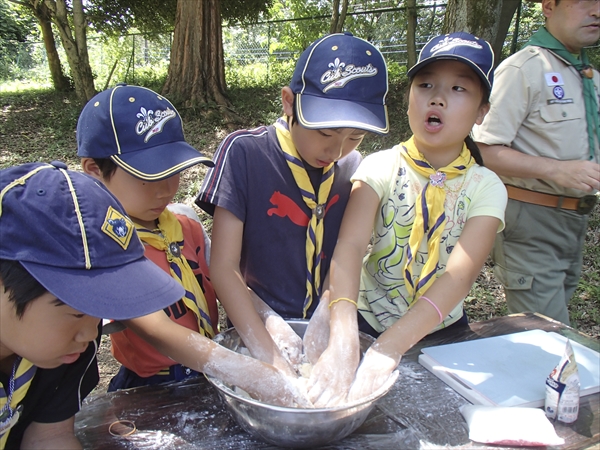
(49, 334)
(143, 200)
(321, 147)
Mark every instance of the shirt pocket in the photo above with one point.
(564, 127)
(562, 112)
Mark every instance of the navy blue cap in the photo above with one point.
(73, 236)
(140, 130)
(341, 81)
(464, 47)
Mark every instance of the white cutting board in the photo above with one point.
(509, 370)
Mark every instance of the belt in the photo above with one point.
(581, 205)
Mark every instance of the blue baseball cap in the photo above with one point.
(73, 236)
(341, 81)
(464, 47)
(140, 130)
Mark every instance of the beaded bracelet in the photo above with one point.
(343, 298)
(435, 306)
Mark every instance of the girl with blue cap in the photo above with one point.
(432, 211)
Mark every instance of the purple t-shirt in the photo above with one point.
(252, 180)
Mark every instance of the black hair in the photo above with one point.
(475, 152)
(107, 166)
(294, 114)
(22, 285)
(469, 142)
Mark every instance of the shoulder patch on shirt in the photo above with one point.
(554, 79)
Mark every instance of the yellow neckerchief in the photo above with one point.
(314, 231)
(430, 217)
(20, 380)
(170, 241)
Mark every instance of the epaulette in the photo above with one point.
(522, 56)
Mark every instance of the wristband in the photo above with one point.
(345, 299)
(435, 306)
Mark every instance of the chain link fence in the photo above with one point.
(260, 53)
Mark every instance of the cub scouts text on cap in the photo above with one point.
(340, 81)
(140, 130)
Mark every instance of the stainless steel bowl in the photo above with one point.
(294, 427)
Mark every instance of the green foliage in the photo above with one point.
(247, 11)
(133, 57)
(396, 72)
(114, 17)
(15, 25)
(158, 16)
(16, 31)
(594, 56)
(585, 304)
(258, 74)
(298, 34)
(530, 21)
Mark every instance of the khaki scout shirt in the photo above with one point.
(537, 107)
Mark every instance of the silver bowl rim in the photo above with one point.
(357, 403)
(222, 387)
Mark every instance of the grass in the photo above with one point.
(38, 124)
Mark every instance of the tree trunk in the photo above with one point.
(509, 8)
(196, 75)
(489, 20)
(411, 27)
(342, 17)
(59, 80)
(335, 15)
(75, 46)
(338, 17)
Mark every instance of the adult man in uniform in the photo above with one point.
(541, 136)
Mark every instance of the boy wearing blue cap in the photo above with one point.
(278, 192)
(131, 139)
(68, 257)
(433, 211)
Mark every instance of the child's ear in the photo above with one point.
(287, 99)
(483, 110)
(90, 167)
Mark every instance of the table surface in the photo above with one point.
(420, 411)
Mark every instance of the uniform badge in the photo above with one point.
(554, 79)
(559, 92)
(118, 227)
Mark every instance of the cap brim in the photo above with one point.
(123, 292)
(414, 69)
(318, 112)
(162, 161)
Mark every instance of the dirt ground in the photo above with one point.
(107, 365)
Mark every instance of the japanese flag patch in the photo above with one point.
(554, 79)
